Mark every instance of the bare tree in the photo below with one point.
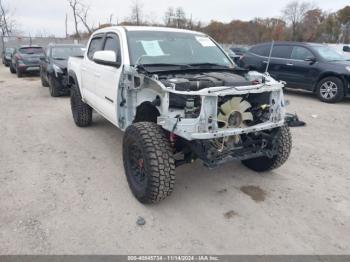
(180, 17)
(294, 14)
(6, 23)
(136, 13)
(82, 14)
(169, 16)
(74, 4)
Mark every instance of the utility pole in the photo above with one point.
(66, 25)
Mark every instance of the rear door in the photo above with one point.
(279, 64)
(107, 81)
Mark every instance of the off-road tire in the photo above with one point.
(284, 147)
(12, 69)
(82, 112)
(340, 89)
(44, 83)
(54, 91)
(158, 168)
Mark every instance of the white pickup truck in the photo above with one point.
(178, 97)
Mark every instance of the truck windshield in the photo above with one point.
(174, 48)
(64, 52)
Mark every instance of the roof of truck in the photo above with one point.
(148, 28)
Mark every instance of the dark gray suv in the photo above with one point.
(27, 59)
(313, 67)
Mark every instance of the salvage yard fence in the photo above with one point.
(16, 41)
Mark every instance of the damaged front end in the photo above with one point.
(213, 116)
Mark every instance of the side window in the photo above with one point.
(95, 45)
(282, 51)
(262, 50)
(301, 53)
(113, 44)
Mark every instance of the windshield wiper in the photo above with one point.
(211, 65)
(59, 58)
(164, 65)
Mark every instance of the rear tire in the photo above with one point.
(82, 112)
(148, 162)
(12, 69)
(330, 90)
(19, 73)
(284, 147)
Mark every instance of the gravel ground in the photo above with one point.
(63, 189)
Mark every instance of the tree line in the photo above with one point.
(299, 21)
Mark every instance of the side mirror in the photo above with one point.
(107, 58)
(310, 59)
(346, 48)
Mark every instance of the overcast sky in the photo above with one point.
(47, 16)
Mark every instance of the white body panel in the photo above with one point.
(106, 88)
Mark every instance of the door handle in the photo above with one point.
(97, 74)
(83, 69)
(289, 64)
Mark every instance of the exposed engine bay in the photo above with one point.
(216, 115)
(233, 111)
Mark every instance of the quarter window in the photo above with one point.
(261, 50)
(282, 51)
(95, 45)
(301, 53)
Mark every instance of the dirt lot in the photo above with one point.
(63, 189)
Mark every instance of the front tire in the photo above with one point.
(44, 83)
(82, 112)
(284, 147)
(148, 162)
(54, 91)
(330, 90)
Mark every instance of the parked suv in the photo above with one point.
(53, 70)
(26, 59)
(314, 67)
(7, 55)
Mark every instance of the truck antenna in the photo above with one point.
(269, 60)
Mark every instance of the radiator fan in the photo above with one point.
(233, 114)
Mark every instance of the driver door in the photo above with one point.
(302, 73)
(107, 81)
(90, 71)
